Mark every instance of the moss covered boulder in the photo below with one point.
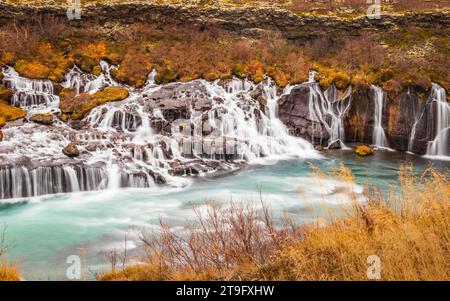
(364, 151)
(5, 93)
(46, 119)
(9, 113)
(77, 106)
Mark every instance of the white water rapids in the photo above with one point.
(119, 147)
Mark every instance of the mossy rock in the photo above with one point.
(165, 75)
(5, 93)
(10, 113)
(239, 71)
(77, 106)
(46, 119)
(364, 151)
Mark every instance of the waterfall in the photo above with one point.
(28, 93)
(379, 136)
(433, 126)
(226, 125)
(82, 82)
(440, 146)
(328, 111)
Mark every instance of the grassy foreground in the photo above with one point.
(409, 231)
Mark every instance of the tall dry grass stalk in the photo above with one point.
(8, 272)
(409, 230)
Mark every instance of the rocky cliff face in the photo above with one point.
(409, 114)
(244, 20)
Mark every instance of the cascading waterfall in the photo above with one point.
(119, 148)
(259, 134)
(434, 120)
(328, 111)
(379, 136)
(82, 82)
(36, 94)
(440, 146)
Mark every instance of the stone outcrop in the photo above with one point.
(45, 119)
(404, 110)
(71, 150)
(399, 118)
(175, 102)
(294, 112)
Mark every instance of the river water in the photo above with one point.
(44, 231)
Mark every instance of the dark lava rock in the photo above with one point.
(335, 145)
(1, 135)
(294, 112)
(175, 100)
(71, 150)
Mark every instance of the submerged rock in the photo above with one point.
(71, 150)
(46, 119)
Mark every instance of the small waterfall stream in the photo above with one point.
(435, 121)
(30, 94)
(439, 146)
(379, 136)
(327, 109)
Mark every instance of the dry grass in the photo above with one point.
(8, 272)
(408, 230)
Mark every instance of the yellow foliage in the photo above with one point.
(364, 151)
(32, 69)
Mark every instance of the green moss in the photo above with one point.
(165, 75)
(239, 71)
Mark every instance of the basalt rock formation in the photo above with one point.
(409, 120)
(248, 20)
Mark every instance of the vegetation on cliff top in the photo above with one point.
(47, 48)
(408, 231)
(337, 7)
